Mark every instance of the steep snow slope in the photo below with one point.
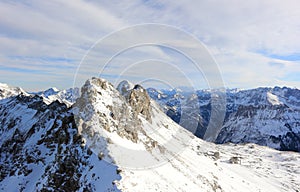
(110, 142)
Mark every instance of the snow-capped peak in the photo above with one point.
(51, 91)
(3, 85)
(48, 92)
(8, 91)
(132, 119)
(52, 94)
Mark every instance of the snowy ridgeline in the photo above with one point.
(123, 142)
(67, 96)
(265, 116)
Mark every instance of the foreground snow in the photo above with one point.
(260, 169)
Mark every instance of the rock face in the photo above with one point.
(137, 97)
(139, 100)
(101, 102)
(124, 87)
(41, 149)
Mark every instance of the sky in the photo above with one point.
(58, 43)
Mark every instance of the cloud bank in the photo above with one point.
(255, 43)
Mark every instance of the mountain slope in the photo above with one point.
(110, 141)
(41, 150)
(264, 116)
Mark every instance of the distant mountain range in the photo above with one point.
(67, 96)
(265, 116)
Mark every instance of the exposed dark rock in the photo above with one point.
(54, 139)
(235, 160)
(139, 100)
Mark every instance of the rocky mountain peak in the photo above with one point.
(100, 102)
(139, 100)
(92, 85)
(50, 91)
(124, 87)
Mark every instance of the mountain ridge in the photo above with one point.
(256, 100)
(248, 113)
(47, 147)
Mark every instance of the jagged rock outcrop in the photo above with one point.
(41, 149)
(100, 102)
(105, 117)
(124, 87)
(137, 97)
(139, 100)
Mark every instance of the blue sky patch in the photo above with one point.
(290, 57)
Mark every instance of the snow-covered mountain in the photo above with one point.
(41, 150)
(265, 116)
(7, 91)
(67, 96)
(110, 141)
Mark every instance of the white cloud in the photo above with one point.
(237, 33)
